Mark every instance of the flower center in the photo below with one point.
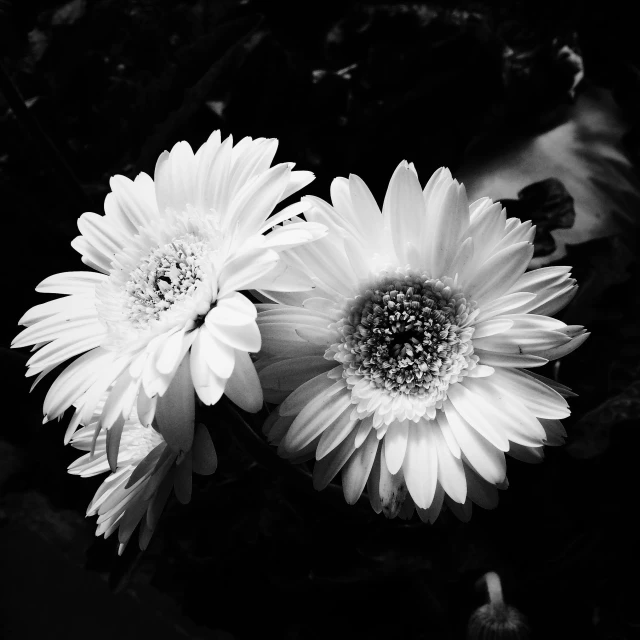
(165, 276)
(407, 336)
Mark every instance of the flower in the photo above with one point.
(162, 315)
(406, 366)
(146, 472)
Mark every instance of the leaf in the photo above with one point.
(549, 206)
(584, 153)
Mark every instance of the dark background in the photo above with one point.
(494, 91)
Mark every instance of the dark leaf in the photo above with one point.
(549, 206)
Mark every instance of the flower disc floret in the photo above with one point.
(408, 336)
(166, 276)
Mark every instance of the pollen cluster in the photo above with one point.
(407, 336)
(167, 275)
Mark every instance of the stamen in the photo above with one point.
(167, 275)
(407, 336)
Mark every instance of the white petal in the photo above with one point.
(286, 214)
(297, 180)
(255, 202)
(243, 387)
(481, 492)
(368, 217)
(326, 469)
(169, 353)
(335, 433)
(486, 459)
(563, 350)
(72, 283)
(541, 399)
(531, 455)
(450, 469)
(175, 411)
(106, 237)
(290, 373)
(392, 489)
(283, 277)
(446, 225)
(516, 421)
(57, 327)
(294, 234)
(505, 304)
(60, 350)
(404, 209)
(395, 445)
(431, 514)
(420, 465)
(256, 160)
(135, 199)
(75, 380)
(69, 306)
(212, 173)
(491, 328)
(219, 355)
(509, 360)
(356, 471)
(364, 429)
(314, 418)
(234, 309)
(241, 271)
(205, 459)
(555, 432)
(500, 272)
(208, 386)
(306, 393)
(244, 337)
(479, 413)
(174, 179)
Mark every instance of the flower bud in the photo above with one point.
(497, 620)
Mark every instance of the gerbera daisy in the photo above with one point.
(147, 471)
(407, 365)
(161, 314)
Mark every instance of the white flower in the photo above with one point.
(146, 472)
(161, 314)
(407, 365)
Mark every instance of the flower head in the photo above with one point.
(147, 470)
(161, 314)
(407, 365)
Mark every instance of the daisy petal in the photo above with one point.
(243, 387)
(356, 471)
(176, 410)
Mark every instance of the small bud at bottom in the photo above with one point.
(496, 620)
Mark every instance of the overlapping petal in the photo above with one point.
(147, 470)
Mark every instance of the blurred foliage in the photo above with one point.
(548, 205)
(345, 86)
